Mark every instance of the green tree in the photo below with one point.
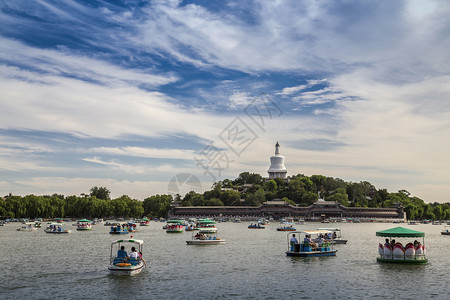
(213, 202)
(339, 196)
(157, 206)
(271, 186)
(100, 193)
(255, 199)
(230, 197)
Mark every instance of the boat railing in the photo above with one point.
(117, 260)
(419, 252)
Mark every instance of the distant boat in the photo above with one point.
(335, 234)
(174, 226)
(256, 226)
(84, 224)
(27, 227)
(202, 237)
(286, 226)
(57, 228)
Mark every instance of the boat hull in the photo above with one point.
(312, 253)
(126, 271)
(403, 261)
(57, 232)
(339, 241)
(445, 233)
(206, 242)
(284, 229)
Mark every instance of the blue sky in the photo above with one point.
(134, 94)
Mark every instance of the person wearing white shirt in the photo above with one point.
(133, 253)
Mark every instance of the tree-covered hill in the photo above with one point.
(248, 189)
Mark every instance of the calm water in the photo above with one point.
(251, 265)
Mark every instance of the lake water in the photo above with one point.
(251, 265)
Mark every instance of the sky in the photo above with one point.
(157, 97)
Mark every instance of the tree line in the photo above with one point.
(248, 189)
(96, 204)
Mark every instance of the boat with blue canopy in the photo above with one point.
(394, 252)
(256, 226)
(57, 228)
(119, 228)
(286, 226)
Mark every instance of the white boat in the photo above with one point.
(335, 235)
(174, 226)
(120, 265)
(395, 252)
(205, 237)
(27, 227)
(144, 222)
(84, 224)
(206, 225)
(57, 228)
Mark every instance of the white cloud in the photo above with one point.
(147, 152)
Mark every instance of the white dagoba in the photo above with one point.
(277, 168)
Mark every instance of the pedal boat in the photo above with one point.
(256, 226)
(286, 226)
(174, 226)
(118, 228)
(206, 225)
(412, 253)
(84, 224)
(57, 228)
(27, 227)
(205, 237)
(337, 233)
(124, 266)
(144, 222)
(446, 230)
(308, 249)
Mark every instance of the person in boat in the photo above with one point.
(392, 244)
(334, 235)
(308, 240)
(121, 253)
(320, 240)
(293, 241)
(133, 253)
